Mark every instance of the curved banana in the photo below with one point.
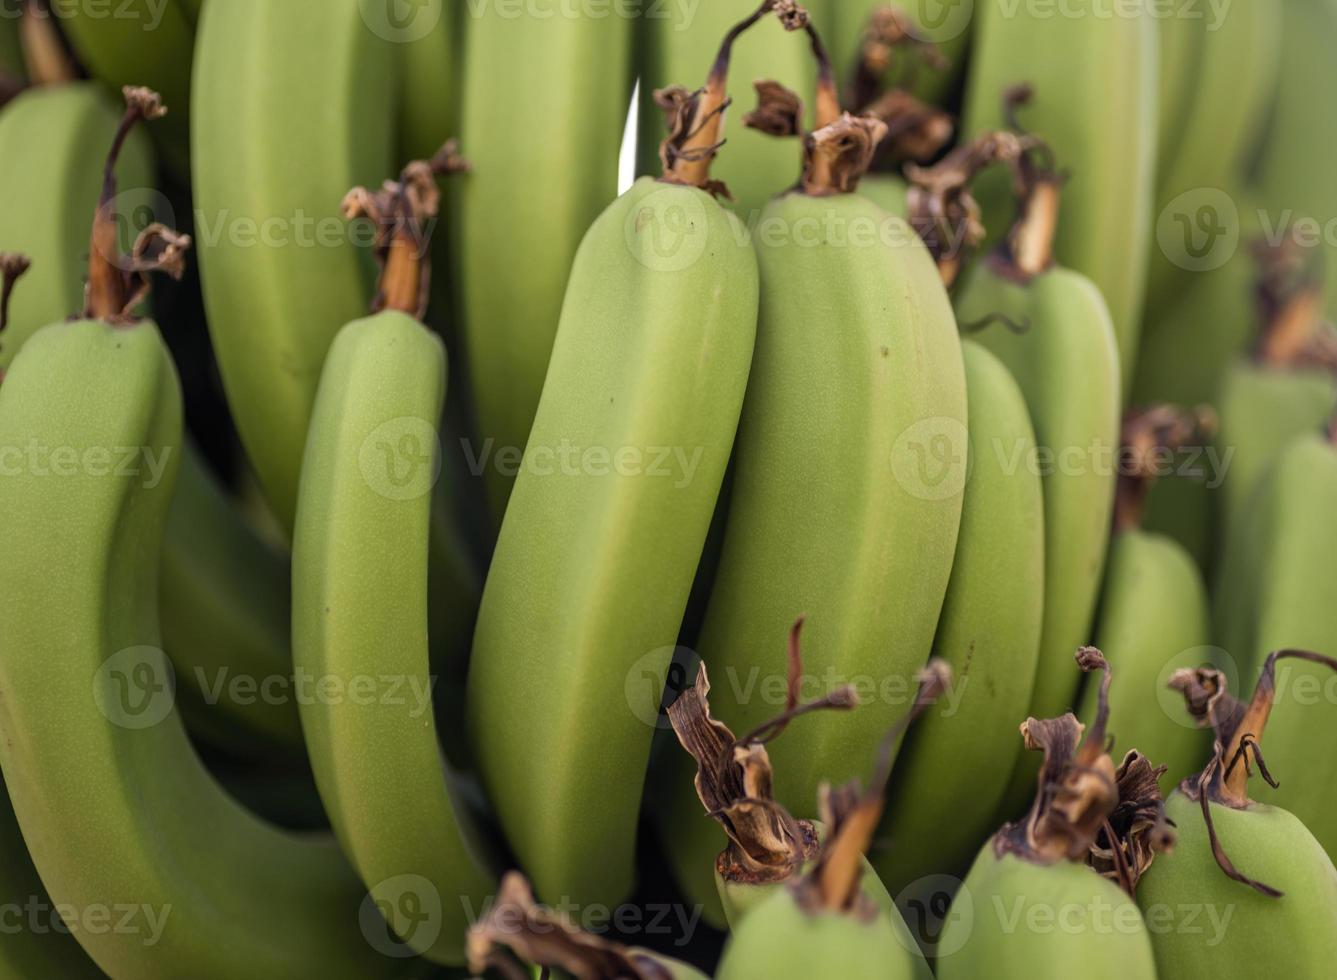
(279, 271)
(1041, 866)
(1153, 617)
(610, 513)
(88, 725)
(1052, 329)
(545, 103)
(1105, 136)
(360, 563)
(1268, 888)
(954, 770)
(139, 42)
(677, 44)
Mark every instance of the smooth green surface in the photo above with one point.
(545, 105)
(596, 556)
(779, 939)
(1234, 931)
(11, 51)
(679, 46)
(957, 761)
(841, 510)
(115, 806)
(1013, 919)
(1153, 620)
(360, 613)
(1066, 364)
(1095, 101)
(53, 143)
(139, 42)
(279, 265)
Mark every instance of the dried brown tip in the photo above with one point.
(916, 131)
(1151, 438)
(1138, 829)
(836, 157)
(888, 34)
(1077, 789)
(1289, 296)
(12, 267)
(45, 58)
(117, 284)
(852, 815)
(734, 777)
(543, 937)
(779, 111)
(404, 212)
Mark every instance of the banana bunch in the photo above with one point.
(1256, 863)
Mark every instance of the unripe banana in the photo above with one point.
(88, 727)
(280, 275)
(139, 42)
(360, 560)
(1104, 136)
(1052, 329)
(952, 774)
(1036, 871)
(824, 924)
(545, 102)
(1265, 882)
(1153, 616)
(677, 44)
(597, 553)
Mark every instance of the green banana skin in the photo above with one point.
(270, 76)
(592, 570)
(1106, 138)
(52, 144)
(949, 781)
(1153, 620)
(868, 330)
(887, 192)
(780, 939)
(1295, 935)
(240, 896)
(947, 26)
(12, 66)
(542, 123)
(1293, 180)
(139, 42)
(998, 940)
(360, 611)
(679, 44)
(1290, 531)
(1066, 364)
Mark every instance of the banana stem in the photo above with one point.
(44, 55)
(12, 267)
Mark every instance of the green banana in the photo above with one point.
(1153, 616)
(192, 9)
(949, 781)
(1276, 911)
(1105, 136)
(1292, 179)
(51, 141)
(676, 45)
(1052, 329)
(824, 924)
(543, 937)
(1287, 599)
(204, 888)
(868, 44)
(855, 419)
(279, 273)
(545, 102)
(360, 585)
(138, 42)
(1033, 904)
(596, 556)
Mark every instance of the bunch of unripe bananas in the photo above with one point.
(667, 488)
